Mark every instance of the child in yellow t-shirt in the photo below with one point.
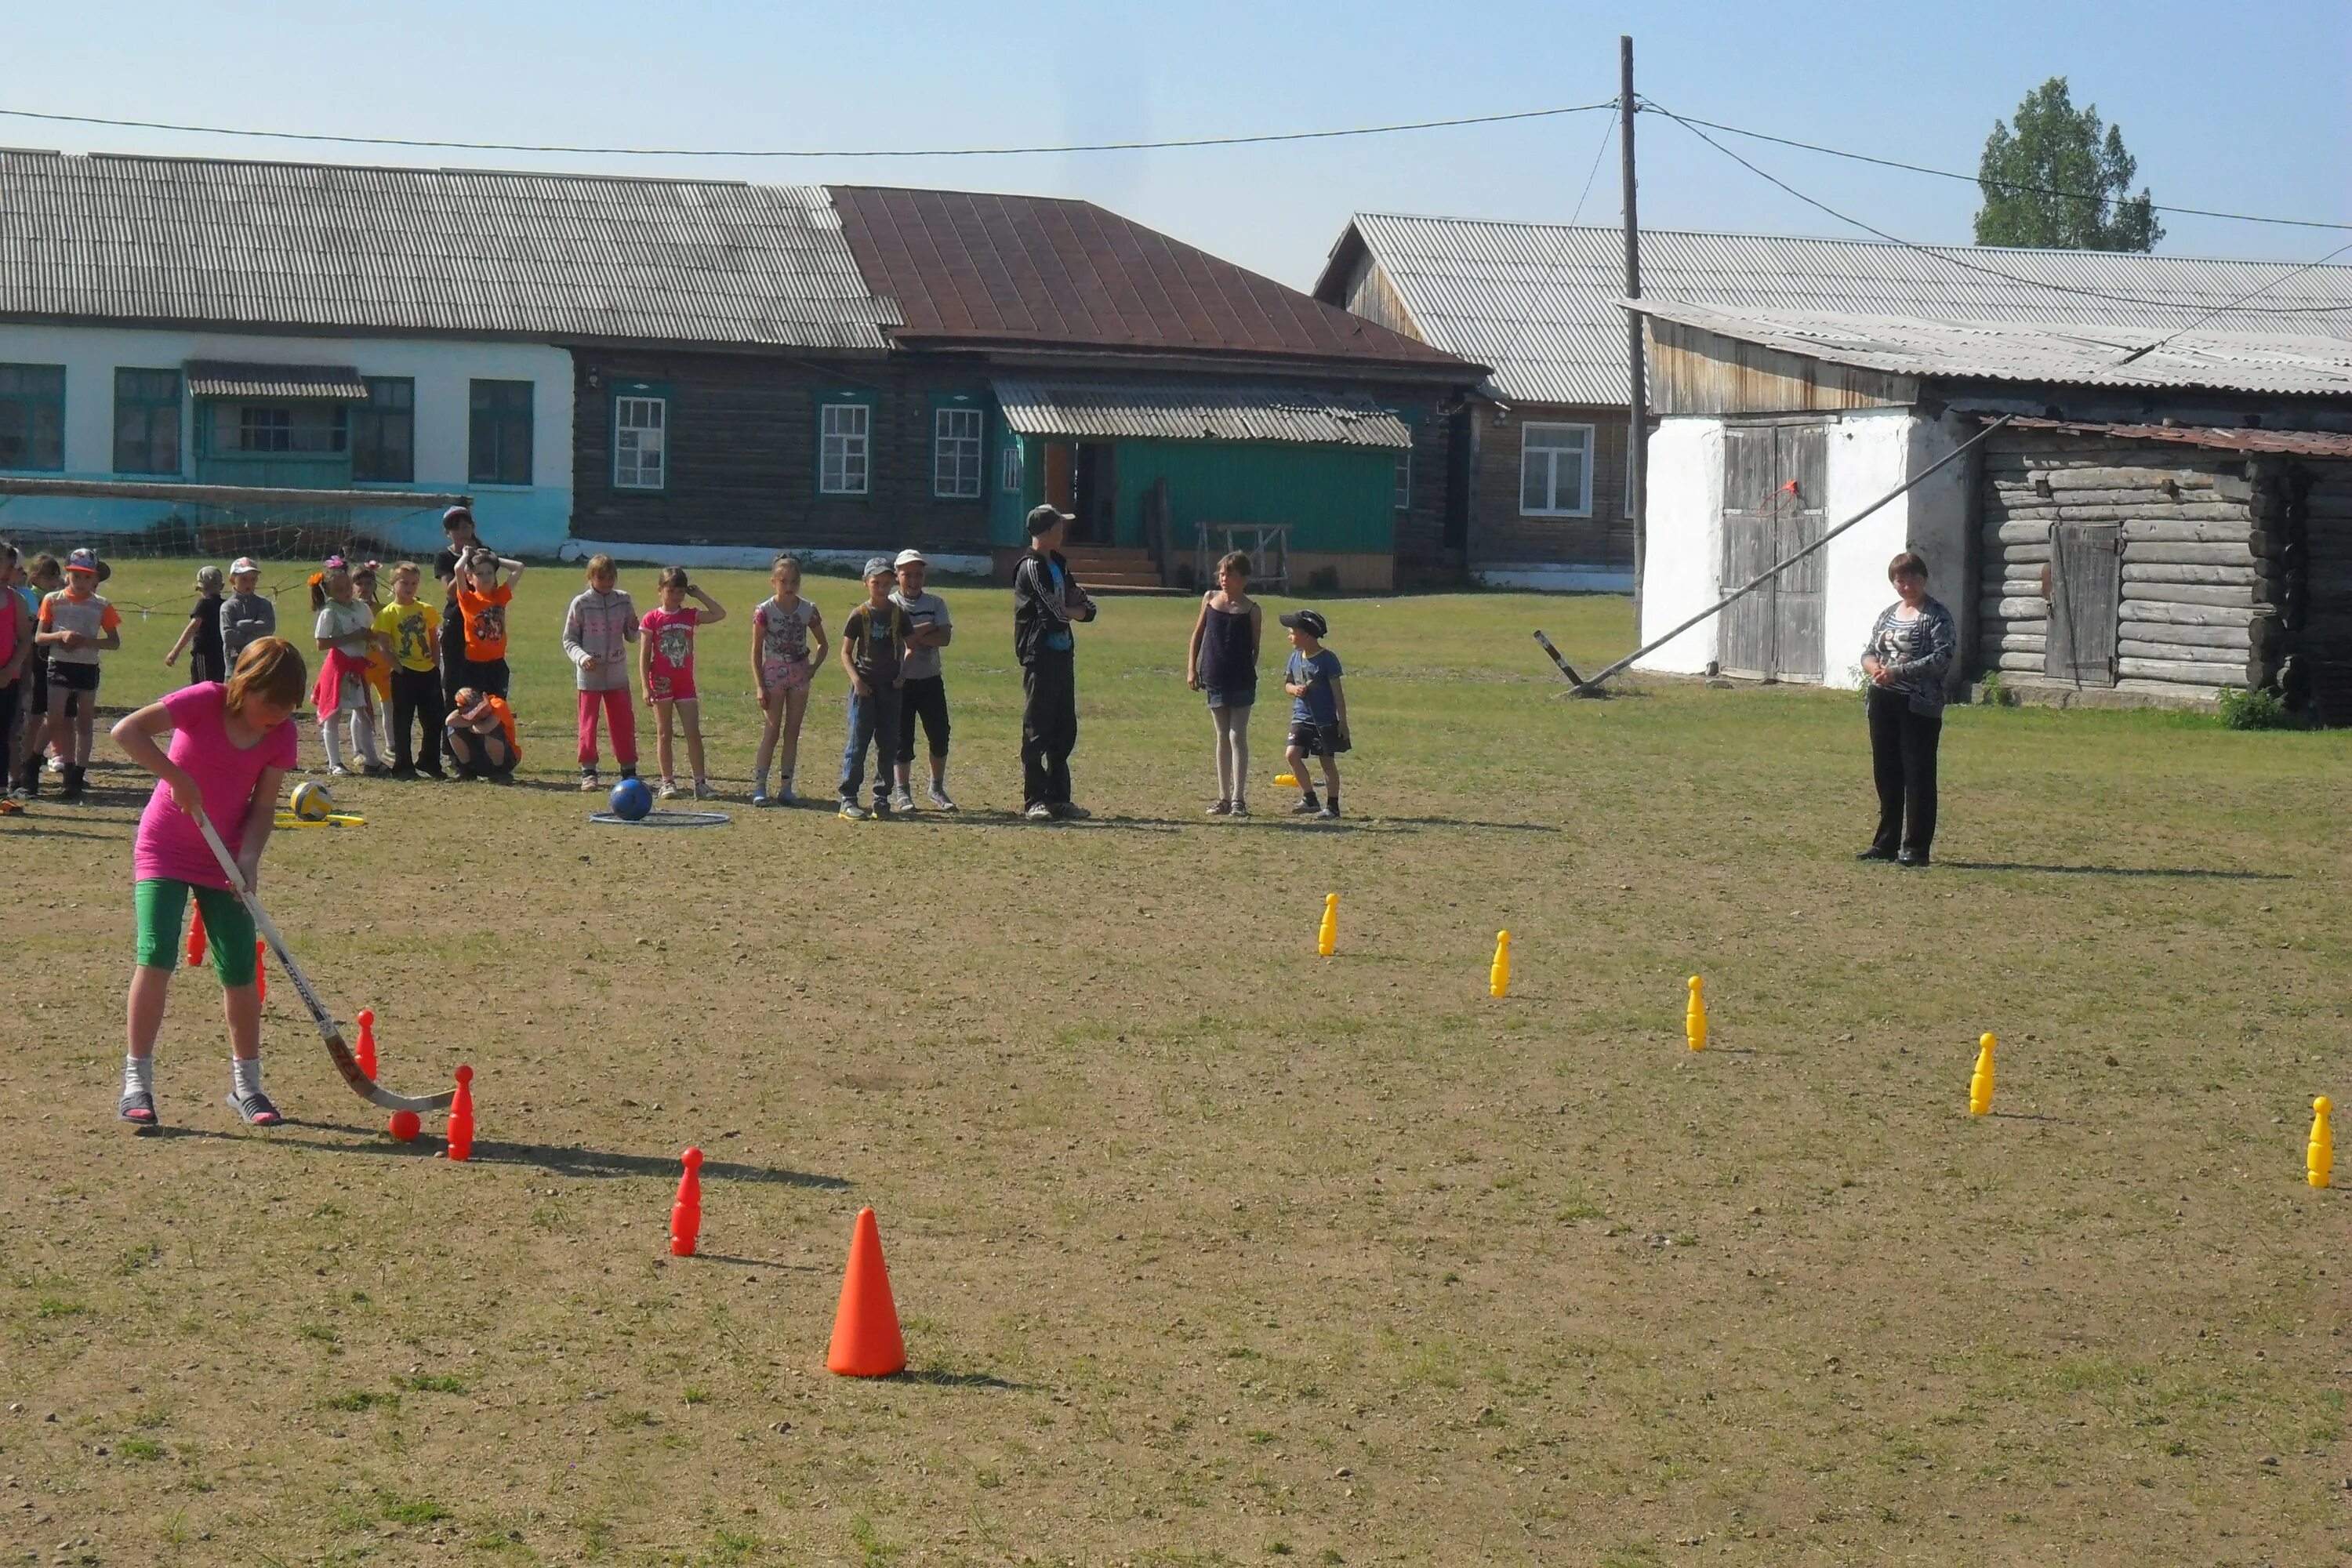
(411, 627)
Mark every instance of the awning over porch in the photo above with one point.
(1103, 411)
(232, 378)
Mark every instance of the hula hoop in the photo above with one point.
(662, 819)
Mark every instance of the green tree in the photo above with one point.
(2061, 181)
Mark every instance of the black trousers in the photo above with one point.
(416, 699)
(1903, 761)
(1049, 728)
(453, 654)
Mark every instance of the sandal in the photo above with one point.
(139, 1109)
(255, 1108)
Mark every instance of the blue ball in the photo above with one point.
(632, 799)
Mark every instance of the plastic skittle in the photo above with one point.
(197, 939)
(1980, 1081)
(1287, 781)
(461, 1116)
(1498, 973)
(2319, 1159)
(685, 1213)
(1694, 1016)
(1327, 938)
(365, 1050)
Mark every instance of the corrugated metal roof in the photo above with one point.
(2215, 437)
(2069, 355)
(230, 378)
(973, 270)
(1175, 412)
(1536, 301)
(234, 245)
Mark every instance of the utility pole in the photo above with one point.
(1637, 398)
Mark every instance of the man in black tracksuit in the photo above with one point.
(1045, 602)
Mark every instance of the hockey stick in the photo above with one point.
(1574, 680)
(345, 1063)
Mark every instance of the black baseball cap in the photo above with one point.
(1311, 622)
(1042, 518)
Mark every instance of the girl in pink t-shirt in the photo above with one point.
(665, 666)
(231, 747)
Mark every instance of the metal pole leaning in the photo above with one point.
(1776, 568)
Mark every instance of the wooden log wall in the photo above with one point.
(2204, 563)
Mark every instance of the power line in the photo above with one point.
(808, 152)
(1945, 255)
(1590, 175)
(1980, 180)
(2259, 288)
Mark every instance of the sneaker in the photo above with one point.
(589, 782)
(703, 790)
(668, 790)
(1221, 808)
(902, 801)
(1876, 853)
(784, 795)
(1308, 807)
(882, 811)
(376, 771)
(1040, 812)
(758, 798)
(56, 764)
(1241, 808)
(404, 772)
(1329, 813)
(1069, 813)
(939, 801)
(255, 1109)
(852, 812)
(337, 771)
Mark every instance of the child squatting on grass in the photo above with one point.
(783, 666)
(1319, 711)
(480, 735)
(232, 745)
(666, 664)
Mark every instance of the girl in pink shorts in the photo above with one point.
(783, 666)
(665, 666)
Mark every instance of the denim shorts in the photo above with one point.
(1232, 695)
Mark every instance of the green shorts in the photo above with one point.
(228, 927)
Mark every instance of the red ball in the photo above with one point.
(406, 1125)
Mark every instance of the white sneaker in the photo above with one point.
(1040, 812)
(703, 790)
(902, 802)
(668, 790)
(939, 801)
(852, 812)
(758, 798)
(1221, 808)
(339, 771)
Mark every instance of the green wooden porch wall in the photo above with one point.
(1336, 498)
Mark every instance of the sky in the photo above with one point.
(2226, 105)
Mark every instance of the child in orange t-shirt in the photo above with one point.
(481, 737)
(482, 601)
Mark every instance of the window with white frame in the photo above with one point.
(843, 435)
(1556, 470)
(1404, 480)
(1009, 475)
(640, 443)
(955, 453)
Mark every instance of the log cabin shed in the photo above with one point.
(2167, 514)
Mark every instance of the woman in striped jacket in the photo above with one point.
(1908, 658)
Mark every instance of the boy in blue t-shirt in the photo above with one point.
(1318, 712)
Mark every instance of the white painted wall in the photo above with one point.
(534, 517)
(1869, 452)
(1684, 558)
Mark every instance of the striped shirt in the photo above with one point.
(1917, 654)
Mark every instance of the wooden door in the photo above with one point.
(1773, 482)
(2086, 586)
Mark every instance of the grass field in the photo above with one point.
(1210, 1251)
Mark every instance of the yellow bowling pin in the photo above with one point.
(2319, 1159)
(1498, 973)
(1980, 1081)
(1327, 940)
(1694, 1016)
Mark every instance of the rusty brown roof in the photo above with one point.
(971, 268)
(2217, 438)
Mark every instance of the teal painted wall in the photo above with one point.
(1337, 499)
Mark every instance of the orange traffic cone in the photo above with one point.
(197, 939)
(685, 1213)
(461, 1116)
(865, 1338)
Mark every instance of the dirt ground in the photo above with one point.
(1208, 1250)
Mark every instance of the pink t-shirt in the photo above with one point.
(170, 844)
(669, 671)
